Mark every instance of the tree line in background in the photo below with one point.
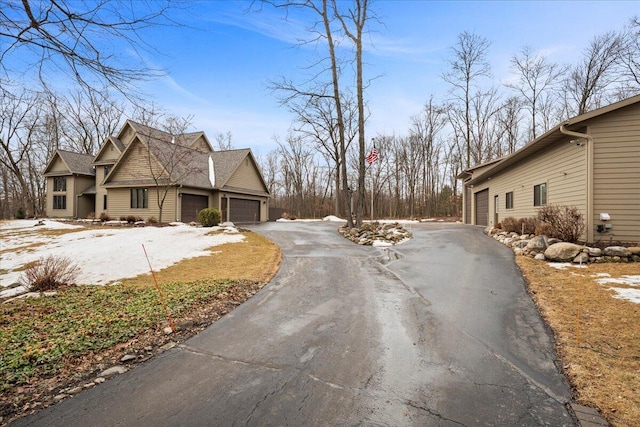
(319, 167)
(478, 121)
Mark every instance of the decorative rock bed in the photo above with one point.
(376, 234)
(545, 248)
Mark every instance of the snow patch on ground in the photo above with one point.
(333, 218)
(104, 256)
(565, 265)
(632, 295)
(623, 280)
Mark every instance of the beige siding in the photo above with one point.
(60, 213)
(119, 200)
(616, 173)
(135, 164)
(100, 191)
(246, 176)
(75, 186)
(127, 135)
(562, 167)
(109, 155)
(58, 166)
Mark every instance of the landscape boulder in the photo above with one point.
(537, 243)
(595, 252)
(620, 251)
(562, 252)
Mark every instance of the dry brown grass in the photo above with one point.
(597, 336)
(255, 259)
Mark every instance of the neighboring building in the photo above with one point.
(591, 161)
(141, 165)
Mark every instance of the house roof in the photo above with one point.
(76, 163)
(187, 166)
(549, 138)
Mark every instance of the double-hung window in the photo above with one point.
(60, 202)
(139, 198)
(540, 195)
(59, 183)
(508, 204)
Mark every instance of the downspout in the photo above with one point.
(178, 201)
(589, 195)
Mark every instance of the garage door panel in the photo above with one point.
(191, 205)
(482, 207)
(244, 210)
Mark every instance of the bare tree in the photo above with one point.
(590, 80)
(631, 55)
(223, 141)
(509, 119)
(467, 65)
(331, 88)
(80, 38)
(536, 77)
(18, 119)
(353, 24)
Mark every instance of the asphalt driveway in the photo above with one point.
(437, 331)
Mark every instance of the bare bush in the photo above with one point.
(511, 225)
(528, 225)
(567, 223)
(50, 273)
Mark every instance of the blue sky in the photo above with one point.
(218, 69)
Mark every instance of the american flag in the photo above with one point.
(372, 157)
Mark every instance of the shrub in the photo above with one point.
(123, 218)
(566, 222)
(131, 219)
(209, 217)
(105, 217)
(21, 214)
(92, 215)
(49, 273)
(511, 225)
(528, 225)
(151, 220)
(543, 229)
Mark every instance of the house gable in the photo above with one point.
(200, 142)
(57, 166)
(247, 176)
(109, 153)
(135, 166)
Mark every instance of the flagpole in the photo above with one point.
(372, 190)
(373, 142)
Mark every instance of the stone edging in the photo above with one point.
(549, 249)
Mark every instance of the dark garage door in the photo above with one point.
(191, 205)
(482, 207)
(243, 210)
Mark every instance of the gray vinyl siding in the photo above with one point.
(120, 204)
(563, 168)
(246, 176)
(616, 172)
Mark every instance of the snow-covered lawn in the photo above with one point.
(103, 255)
